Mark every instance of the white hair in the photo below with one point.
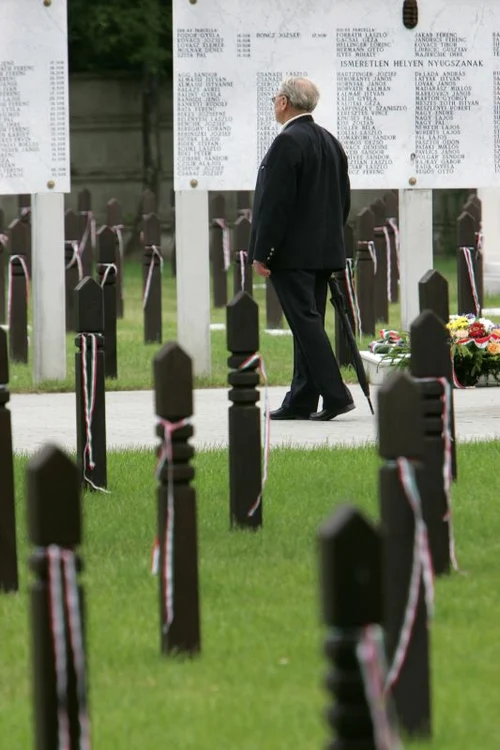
(302, 93)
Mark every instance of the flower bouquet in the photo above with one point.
(474, 344)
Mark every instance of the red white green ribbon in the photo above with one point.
(467, 252)
(226, 242)
(89, 381)
(22, 261)
(422, 569)
(149, 277)
(109, 268)
(371, 658)
(245, 214)
(394, 226)
(351, 294)
(166, 457)
(370, 246)
(247, 365)
(65, 615)
(76, 258)
(243, 260)
(4, 240)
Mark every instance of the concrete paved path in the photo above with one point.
(130, 420)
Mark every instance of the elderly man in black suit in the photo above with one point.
(301, 204)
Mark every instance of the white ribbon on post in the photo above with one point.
(226, 242)
(422, 569)
(76, 258)
(22, 261)
(149, 277)
(467, 253)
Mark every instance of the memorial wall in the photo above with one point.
(412, 107)
(34, 117)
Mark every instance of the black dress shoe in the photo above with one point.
(285, 413)
(326, 414)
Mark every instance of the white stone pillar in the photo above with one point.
(47, 261)
(193, 277)
(490, 205)
(416, 248)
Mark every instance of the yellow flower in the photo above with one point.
(493, 347)
(458, 323)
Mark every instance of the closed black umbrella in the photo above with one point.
(338, 301)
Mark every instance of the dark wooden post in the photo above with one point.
(18, 286)
(431, 366)
(89, 385)
(151, 269)
(106, 255)
(220, 250)
(274, 313)
(73, 263)
(468, 292)
(365, 270)
(433, 295)
(351, 587)
(401, 436)
(177, 534)
(383, 253)
(86, 231)
(245, 472)
(392, 221)
(24, 203)
(347, 286)
(172, 220)
(3, 252)
(57, 604)
(8, 548)
(114, 220)
(243, 271)
(148, 202)
(474, 207)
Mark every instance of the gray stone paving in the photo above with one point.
(40, 418)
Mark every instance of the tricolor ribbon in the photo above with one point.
(371, 659)
(64, 608)
(22, 261)
(247, 365)
(109, 267)
(394, 226)
(118, 230)
(90, 228)
(4, 240)
(479, 241)
(467, 251)
(76, 258)
(351, 294)
(447, 461)
(370, 246)
(89, 380)
(243, 260)
(245, 214)
(226, 242)
(166, 457)
(422, 569)
(149, 277)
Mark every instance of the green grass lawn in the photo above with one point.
(258, 682)
(134, 357)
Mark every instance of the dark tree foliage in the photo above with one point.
(120, 36)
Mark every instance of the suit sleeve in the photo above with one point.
(347, 189)
(277, 196)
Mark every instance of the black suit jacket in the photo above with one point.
(302, 200)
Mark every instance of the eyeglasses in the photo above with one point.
(273, 99)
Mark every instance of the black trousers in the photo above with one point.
(303, 295)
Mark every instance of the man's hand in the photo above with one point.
(261, 269)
